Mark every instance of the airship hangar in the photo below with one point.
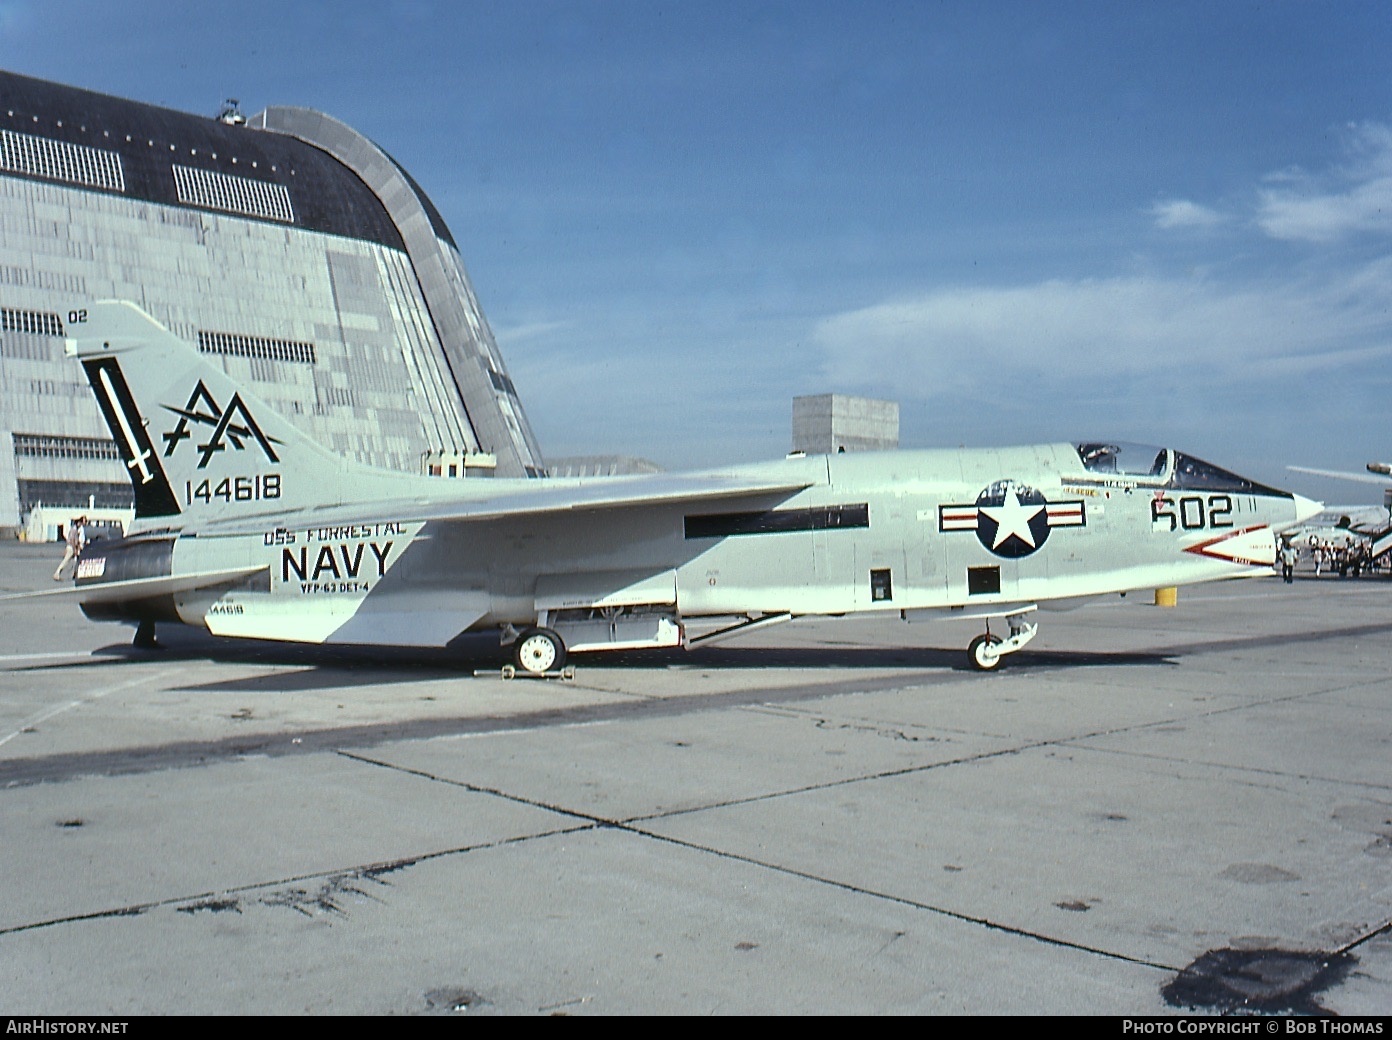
(285, 243)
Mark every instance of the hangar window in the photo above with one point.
(61, 161)
(44, 446)
(333, 396)
(209, 189)
(256, 347)
(34, 323)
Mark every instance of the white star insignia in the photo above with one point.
(1013, 517)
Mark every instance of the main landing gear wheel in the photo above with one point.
(984, 652)
(538, 651)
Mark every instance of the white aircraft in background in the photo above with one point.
(246, 528)
(1369, 523)
(1378, 473)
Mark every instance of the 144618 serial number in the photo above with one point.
(256, 488)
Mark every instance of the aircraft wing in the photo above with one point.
(532, 498)
(1362, 478)
(1359, 519)
(140, 588)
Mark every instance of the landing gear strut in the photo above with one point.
(145, 637)
(985, 651)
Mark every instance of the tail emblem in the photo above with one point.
(235, 424)
(138, 454)
(153, 496)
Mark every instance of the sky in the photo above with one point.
(1165, 222)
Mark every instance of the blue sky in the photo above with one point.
(1167, 222)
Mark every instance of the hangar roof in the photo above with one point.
(194, 162)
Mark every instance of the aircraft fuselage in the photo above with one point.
(976, 532)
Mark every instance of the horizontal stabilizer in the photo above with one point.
(141, 588)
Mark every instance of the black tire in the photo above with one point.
(980, 659)
(538, 651)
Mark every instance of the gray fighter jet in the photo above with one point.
(246, 528)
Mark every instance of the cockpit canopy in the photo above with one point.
(1163, 467)
(1125, 460)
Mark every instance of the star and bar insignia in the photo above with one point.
(1011, 520)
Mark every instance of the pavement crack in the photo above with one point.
(289, 892)
(1383, 929)
(493, 792)
(889, 897)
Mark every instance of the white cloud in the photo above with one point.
(1296, 205)
(1371, 146)
(1271, 361)
(1353, 199)
(1314, 217)
(1073, 337)
(1181, 213)
(514, 334)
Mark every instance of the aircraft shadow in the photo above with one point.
(321, 667)
(857, 657)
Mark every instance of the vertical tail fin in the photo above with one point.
(193, 443)
(153, 495)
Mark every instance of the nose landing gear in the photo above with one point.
(986, 651)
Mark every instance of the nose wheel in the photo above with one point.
(538, 651)
(986, 651)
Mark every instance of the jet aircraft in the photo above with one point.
(1371, 524)
(247, 528)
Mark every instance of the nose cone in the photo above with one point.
(1305, 508)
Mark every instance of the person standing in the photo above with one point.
(76, 539)
(1288, 556)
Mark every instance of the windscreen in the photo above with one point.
(1145, 462)
(1198, 475)
(1120, 459)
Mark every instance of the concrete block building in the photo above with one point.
(828, 423)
